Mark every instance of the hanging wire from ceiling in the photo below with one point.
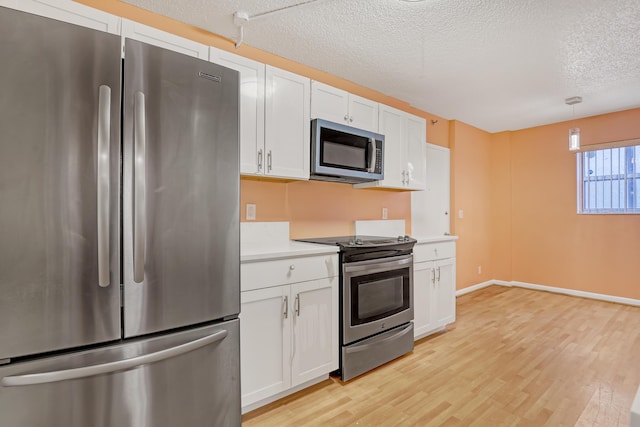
(240, 17)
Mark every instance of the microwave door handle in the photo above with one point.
(372, 155)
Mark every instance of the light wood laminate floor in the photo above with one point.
(515, 357)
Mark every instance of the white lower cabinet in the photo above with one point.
(434, 287)
(288, 336)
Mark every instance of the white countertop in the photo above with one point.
(290, 249)
(434, 239)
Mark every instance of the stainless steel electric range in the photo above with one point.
(376, 299)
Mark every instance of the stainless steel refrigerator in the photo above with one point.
(119, 232)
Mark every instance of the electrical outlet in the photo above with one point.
(479, 269)
(251, 212)
(385, 213)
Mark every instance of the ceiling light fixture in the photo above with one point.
(574, 133)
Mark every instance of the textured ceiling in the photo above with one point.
(497, 65)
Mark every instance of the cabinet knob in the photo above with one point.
(350, 119)
(292, 267)
(346, 117)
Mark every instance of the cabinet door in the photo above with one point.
(136, 31)
(393, 127)
(287, 130)
(363, 113)
(315, 329)
(68, 11)
(265, 333)
(423, 285)
(415, 156)
(445, 292)
(252, 157)
(329, 103)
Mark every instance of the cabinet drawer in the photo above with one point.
(432, 251)
(264, 274)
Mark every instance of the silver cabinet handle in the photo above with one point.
(297, 305)
(433, 276)
(346, 117)
(139, 190)
(286, 307)
(350, 119)
(438, 275)
(372, 155)
(404, 181)
(292, 267)
(104, 368)
(259, 159)
(269, 159)
(104, 191)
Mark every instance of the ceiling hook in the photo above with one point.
(239, 19)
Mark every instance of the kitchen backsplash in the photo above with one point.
(319, 209)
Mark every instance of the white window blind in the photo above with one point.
(609, 180)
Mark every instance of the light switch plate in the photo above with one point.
(251, 212)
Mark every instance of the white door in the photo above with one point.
(445, 295)
(265, 332)
(415, 160)
(363, 113)
(436, 207)
(252, 80)
(315, 327)
(329, 103)
(287, 129)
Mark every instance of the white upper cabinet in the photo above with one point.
(336, 105)
(416, 160)
(252, 82)
(144, 33)
(287, 124)
(404, 150)
(68, 11)
(275, 129)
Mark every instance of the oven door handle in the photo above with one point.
(377, 266)
(368, 346)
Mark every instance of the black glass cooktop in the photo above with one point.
(359, 241)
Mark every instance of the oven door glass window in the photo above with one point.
(379, 295)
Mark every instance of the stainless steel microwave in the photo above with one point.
(342, 153)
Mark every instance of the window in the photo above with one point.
(609, 180)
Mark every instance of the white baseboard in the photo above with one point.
(478, 287)
(556, 290)
(575, 293)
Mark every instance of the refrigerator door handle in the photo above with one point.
(139, 190)
(105, 368)
(103, 193)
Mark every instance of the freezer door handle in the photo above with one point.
(139, 190)
(105, 368)
(104, 137)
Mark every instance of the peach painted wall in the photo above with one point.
(553, 245)
(318, 209)
(471, 193)
(500, 206)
